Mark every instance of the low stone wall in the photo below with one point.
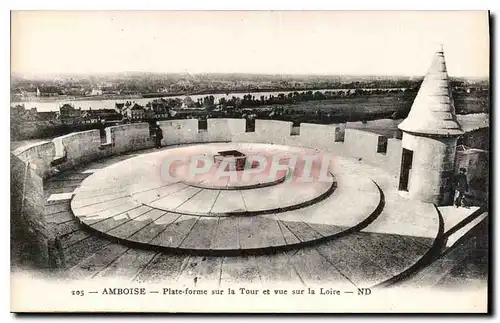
(82, 147)
(78, 148)
(39, 157)
(272, 131)
(129, 137)
(392, 160)
(245, 137)
(218, 130)
(363, 144)
(224, 129)
(317, 136)
(34, 238)
(177, 132)
(203, 136)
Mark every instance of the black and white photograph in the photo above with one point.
(250, 161)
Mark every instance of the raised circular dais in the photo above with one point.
(135, 202)
(221, 177)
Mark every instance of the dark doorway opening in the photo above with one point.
(406, 161)
(382, 145)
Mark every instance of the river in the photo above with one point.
(110, 104)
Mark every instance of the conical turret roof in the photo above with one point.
(433, 111)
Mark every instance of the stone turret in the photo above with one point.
(430, 134)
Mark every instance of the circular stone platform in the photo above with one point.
(132, 201)
(162, 180)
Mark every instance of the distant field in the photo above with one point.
(364, 104)
(471, 103)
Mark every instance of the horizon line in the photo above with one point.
(80, 74)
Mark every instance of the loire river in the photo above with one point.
(110, 104)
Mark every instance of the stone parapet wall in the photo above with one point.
(246, 137)
(39, 156)
(317, 136)
(362, 144)
(29, 228)
(272, 131)
(82, 147)
(224, 129)
(176, 132)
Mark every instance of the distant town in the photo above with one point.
(134, 85)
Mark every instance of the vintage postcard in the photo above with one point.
(250, 161)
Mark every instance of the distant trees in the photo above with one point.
(209, 102)
(249, 100)
(288, 107)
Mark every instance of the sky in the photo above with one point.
(267, 42)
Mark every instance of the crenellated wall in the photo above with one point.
(362, 144)
(48, 158)
(245, 137)
(82, 147)
(273, 131)
(224, 129)
(317, 135)
(128, 137)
